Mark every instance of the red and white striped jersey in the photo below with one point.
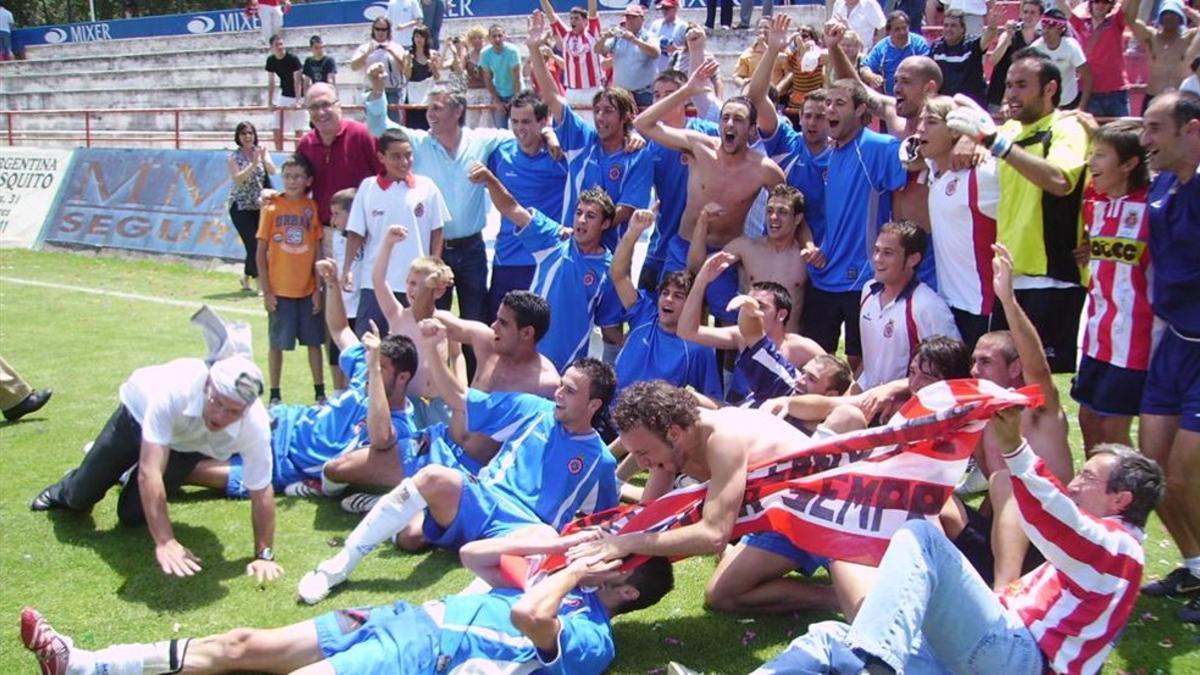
(1120, 324)
(1077, 602)
(583, 63)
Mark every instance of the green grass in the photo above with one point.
(98, 581)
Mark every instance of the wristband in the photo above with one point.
(1000, 147)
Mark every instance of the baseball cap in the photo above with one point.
(238, 378)
(668, 3)
(635, 9)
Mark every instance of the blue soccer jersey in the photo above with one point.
(651, 353)
(625, 176)
(671, 188)
(540, 465)
(862, 176)
(804, 171)
(536, 182)
(575, 284)
(1174, 230)
(761, 372)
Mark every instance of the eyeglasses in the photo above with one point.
(321, 107)
(224, 409)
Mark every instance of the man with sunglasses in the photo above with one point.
(170, 417)
(1100, 27)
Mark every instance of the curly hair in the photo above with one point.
(656, 406)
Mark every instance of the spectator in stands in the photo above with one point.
(432, 12)
(670, 31)
(750, 56)
(1192, 83)
(806, 61)
(17, 398)
(287, 67)
(554, 63)
(1100, 27)
(1072, 63)
(381, 48)
(694, 55)
(1168, 46)
(6, 41)
(879, 69)
(635, 55)
(960, 55)
(747, 13)
(584, 77)
(470, 52)
(864, 17)
(404, 15)
(710, 20)
(320, 67)
(249, 168)
(500, 66)
(270, 16)
(422, 70)
(1015, 36)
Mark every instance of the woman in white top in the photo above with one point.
(1067, 54)
(380, 48)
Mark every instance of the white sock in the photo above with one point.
(390, 514)
(1193, 565)
(330, 487)
(133, 659)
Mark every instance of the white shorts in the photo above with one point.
(478, 118)
(580, 101)
(270, 18)
(294, 119)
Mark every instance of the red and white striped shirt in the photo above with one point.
(1120, 325)
(583, 63)
(1077, 602)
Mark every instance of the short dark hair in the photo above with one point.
(530, 310)
(653, 579)
(401, 351)
(297, 159)
(1037, 3)
(955, 14)
(681, 278)
(894, 16)
(242, 126)
(529, 97)
(1185, 107)
(858, 91)
(912, 238)
(389, 137)
(1125, 138)
(343, 199)
(671, 75)
(1047, 71)
(820, 95)
(601, 378)
(597, 196)
(950, 359)
(841, 375)
(315, 40)
(788, 192)
(275, 36)
(1139, 475)
(655, 405)
(779, 294)
(743, 100)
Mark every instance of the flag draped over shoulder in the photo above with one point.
(844, 496)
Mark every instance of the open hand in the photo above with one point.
(175, 560)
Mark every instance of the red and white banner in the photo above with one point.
(845, 496)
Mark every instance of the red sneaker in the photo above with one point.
(47, 644)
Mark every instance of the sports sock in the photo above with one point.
(155, 658)
(609, 353)
(331, 487)
(275, 395)
(1193, 565)
(319, 391)
(389, 515)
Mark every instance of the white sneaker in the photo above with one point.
(973, 481)
(304, 488)
(316, 585)
(87, 447)
(359, 502)
(674, 668)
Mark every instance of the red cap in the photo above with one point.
(667, 3)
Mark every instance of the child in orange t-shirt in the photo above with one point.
(290, 233)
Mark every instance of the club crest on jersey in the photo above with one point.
(575, 465)
(375, 213)
(295, 235)
(1133, 217)
(419, 210)
(952, 187)
(572, 601)
(614, 172)
(889, 328)
(589, 279)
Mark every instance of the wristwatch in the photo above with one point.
(266, 554)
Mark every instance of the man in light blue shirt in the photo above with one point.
(635, 55)
(669, 31)
(501, 69)
(879, 68)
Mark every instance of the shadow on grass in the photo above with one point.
(231, 295)
(129, 551)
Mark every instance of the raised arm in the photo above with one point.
(535, 37)
(1193, 49)
(1131, 8)
(970, 120)
(335, 310)
(464, 331)
(621, 271)
(691, 326)
(1034, 365)
(760, 80)
(1084, 72)
(648, 121)
(502, 199)
(991, 28)
(536, 613)
(433, 349)
(483, 557)
(388, 304)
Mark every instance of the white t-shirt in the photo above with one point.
(891, 332)
(1068, 57)
(6, 19)
(168, 402)
(963, 231)
(1192, 84)
(403, 11)
(381, 203)
(865, 18)
(977, 7)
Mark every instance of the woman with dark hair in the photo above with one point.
(422, 68)
(249, 167)
(379, 48)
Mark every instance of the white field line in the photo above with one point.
(221, 309)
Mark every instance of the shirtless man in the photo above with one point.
(1168, 46)
(782, 256)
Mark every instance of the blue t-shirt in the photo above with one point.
(671, 188)
(575, 284)
(502, 65)
(885, 57)
(625, 176)
(1174, 231)
(858, 200)
(651, 353)
(804, 172)
(542, 466)
(536, 182)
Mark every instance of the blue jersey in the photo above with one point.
(542, 466)
(804, 171)
(625, 176)
(761, 372)
(651, 353)
(862, 176)
(1174, 231)
(536, 182)
(670, 186)
(575, 284)
(433, 445)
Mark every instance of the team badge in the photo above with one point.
(295, 236)
(589, 279)
(951, 187)
(889, 328)
(614, 172)
(572, 601)
(1132, 218)
(575, 466)
(420, 210)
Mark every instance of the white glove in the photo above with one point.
(969, 119)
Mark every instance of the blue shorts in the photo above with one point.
(1173, 384)
(432, 445)
(428, 411)
(719, 292)
(773, 542)
(1108, 389)
(482, 514)
(293, 320)
(399, 638)
(507, 278)
(284, 471)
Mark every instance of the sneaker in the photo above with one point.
(87, 447)
(316, 585)
(321, 401)
(674, 668)
(972, 482)
(1178, 583)
(359, 502)
(274, 402)
(308, 487)
(44, 502)
(1191, 611)
(53, 651)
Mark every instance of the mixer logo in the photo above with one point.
(201, 24)
(56, 36)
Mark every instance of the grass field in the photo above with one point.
(97, 580)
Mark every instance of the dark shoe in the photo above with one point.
(1178, 583)
(44, 502)
(1191, 611)
(32, 403)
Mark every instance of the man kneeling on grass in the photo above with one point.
(558, 625)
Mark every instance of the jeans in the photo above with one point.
(432, 12)
(468, 261)
(500, 118)
(726, 13)
(930, 612)
(1109, 104)
(747, 10)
